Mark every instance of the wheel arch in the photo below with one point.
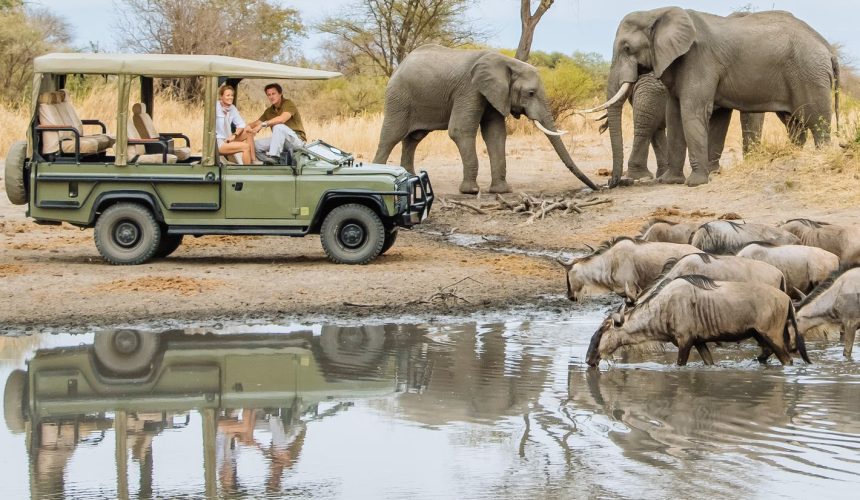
(106, 200)
(334, 199)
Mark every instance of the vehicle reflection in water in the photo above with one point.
(473, 410)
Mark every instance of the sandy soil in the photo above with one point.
(53, 276)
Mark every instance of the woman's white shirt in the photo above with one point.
(223, 120)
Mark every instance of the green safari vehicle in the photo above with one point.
(144, 191)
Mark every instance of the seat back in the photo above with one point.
(64, 105)
(143, 122)
(134, 149)
(49, 114)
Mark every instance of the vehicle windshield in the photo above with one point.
(327, 152)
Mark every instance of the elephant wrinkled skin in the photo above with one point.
(437, 88)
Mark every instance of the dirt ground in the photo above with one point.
(53, 277)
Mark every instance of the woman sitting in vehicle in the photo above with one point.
(240, 141)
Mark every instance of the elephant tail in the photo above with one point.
(835, 63)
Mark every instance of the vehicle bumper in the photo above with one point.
(420, 200)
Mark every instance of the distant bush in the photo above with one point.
(567, 87)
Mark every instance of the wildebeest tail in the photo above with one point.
(801, 343)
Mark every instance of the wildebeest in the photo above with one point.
(720, 268)
(834, 302)
(726, 237)
(668, 231)
(619, 265)
(804, 267)
(690, 311)
(843, 241)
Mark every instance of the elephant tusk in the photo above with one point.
(548, 131)
(617, 97)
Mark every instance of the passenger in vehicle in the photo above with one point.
(285, 121)
(229, 142)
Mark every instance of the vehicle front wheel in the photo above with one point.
(127, 234)
(352, 234)
(126, 352)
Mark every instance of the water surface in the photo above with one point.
(477, 410)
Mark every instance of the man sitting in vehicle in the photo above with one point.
(285, 121)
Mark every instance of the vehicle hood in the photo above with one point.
(372, 168)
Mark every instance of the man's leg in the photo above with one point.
(262, 145)
(283, 135)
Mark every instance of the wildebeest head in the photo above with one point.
(602, 342)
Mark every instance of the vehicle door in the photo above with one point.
(260, 192)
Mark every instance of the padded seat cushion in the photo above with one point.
(155, 158)
(89, 146)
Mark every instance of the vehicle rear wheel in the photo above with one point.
(169, 244)
(353, 346)
(390, 238)
(13, 401)
(127, 234)
(14, 176)
(352, 234)
(126, 352)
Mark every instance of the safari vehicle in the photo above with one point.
(143, 190)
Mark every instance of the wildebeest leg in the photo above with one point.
(705, 353)
(683, 353)
(849, 328)
(765, 354)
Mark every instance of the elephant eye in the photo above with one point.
(531, 93)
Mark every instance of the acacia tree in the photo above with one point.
(254, 29)
(25, 34)
(384, 32)
(529, 22)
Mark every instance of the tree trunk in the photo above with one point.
(529, 23)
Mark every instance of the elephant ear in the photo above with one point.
(673, 34)
(491, 75)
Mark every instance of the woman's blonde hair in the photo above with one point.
(225, 88)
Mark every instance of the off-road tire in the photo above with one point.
(390, 238)
(169, 244)
(16, 189)
(126, 353)
(357, 347)
(352, 234)
(127, 234)
(14, 401)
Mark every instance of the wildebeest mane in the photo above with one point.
(699, 281)
(809, 223)
(713, 241)
(606, 245)
(826, 284)
(696, 280)
(765, 244)
(656, 220)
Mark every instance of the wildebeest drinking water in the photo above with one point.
(834, 302)
(618, 266)
(690, 311)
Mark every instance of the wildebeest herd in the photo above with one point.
(693, 284)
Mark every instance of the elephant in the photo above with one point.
(439, 88)
(648, 100)
(710, 65)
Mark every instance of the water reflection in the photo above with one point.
(475, 410)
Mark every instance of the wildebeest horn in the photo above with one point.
(799, 294)
(561, 261)
(589, 247)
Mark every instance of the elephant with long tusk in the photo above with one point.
(461, 91)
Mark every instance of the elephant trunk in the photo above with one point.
(558, 145)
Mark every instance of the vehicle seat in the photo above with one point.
(67, 110)
(146, 128)
(51, 142)
(137, 152)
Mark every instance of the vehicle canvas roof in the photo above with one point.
(172, 65)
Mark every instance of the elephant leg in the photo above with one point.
(751, 127)
(394, 129)
(637, 165)
(719, 127)
(849, 328)
(410, 143)
(705, 353)
(495, 135)
(819, 124)
(677, 143)
(695, 118)
(661, 151)
(465, 138)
